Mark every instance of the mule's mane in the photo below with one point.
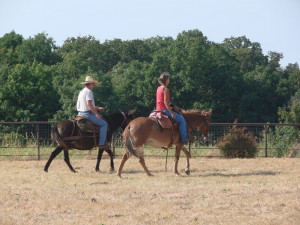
(195, 111)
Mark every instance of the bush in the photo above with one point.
(12, 139)
(282, 139)
(238, 144)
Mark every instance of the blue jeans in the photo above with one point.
(182, 125)
(100, 122)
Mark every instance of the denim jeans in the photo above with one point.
(182, 125)
(100, 122)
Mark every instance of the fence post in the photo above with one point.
(266, 140)
(38, 140)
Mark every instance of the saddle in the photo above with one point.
(164, 122)
(85, 125)
(162, 119)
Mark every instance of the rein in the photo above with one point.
(189, 124)
(125, 119)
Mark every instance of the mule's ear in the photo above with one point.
(209, 112)
(131, 112)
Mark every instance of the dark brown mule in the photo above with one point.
(144, 130)
(68, 136)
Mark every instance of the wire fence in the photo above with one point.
(32, 140)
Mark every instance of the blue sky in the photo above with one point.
(275, 24)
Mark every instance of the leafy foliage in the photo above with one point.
(41, 81)
(238, 143)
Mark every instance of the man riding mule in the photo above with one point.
(81, 134)
(145, 130)
(86, 108)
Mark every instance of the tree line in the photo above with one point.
(40, 81)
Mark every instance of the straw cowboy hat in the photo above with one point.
(89, 80)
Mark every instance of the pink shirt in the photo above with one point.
(160, 101)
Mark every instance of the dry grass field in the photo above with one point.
(218, 191)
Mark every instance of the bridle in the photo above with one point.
(125, 119)
(193, 130)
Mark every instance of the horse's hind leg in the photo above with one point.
(188, 155)
(100, 152)
(124, 159)
(142, 162)
(67, 160)
(52, 156)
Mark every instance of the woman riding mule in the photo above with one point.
(144, 130)
(163, 104)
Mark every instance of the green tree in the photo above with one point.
(40, 49)
(248, 55)
(27, 94)
(8, 44)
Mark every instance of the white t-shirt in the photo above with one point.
(84, 95)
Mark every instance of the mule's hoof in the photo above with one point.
(46, 170)
(187, 172)
(119, 174)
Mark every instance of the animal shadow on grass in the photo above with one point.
(154, 172)
(259, 173)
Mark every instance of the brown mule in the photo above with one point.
(144, 130)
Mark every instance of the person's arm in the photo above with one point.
(100, 108)
(93, 109)
(167, 103)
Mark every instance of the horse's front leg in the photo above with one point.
(177, 155)
(188, 155)
(100, 152)
(111, 155)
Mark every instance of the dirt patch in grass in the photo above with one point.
(218, 191)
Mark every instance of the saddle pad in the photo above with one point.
(162, 118)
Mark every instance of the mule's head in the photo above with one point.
(204, 121)
(127, 118)
(198, 120)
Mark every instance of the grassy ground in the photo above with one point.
(218, 191)
(31, 153)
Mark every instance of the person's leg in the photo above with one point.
(100, 122)
(182, 127)
(182, 124)
(103, 131)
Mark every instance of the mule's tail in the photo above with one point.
(58, 139)
(128, 144)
